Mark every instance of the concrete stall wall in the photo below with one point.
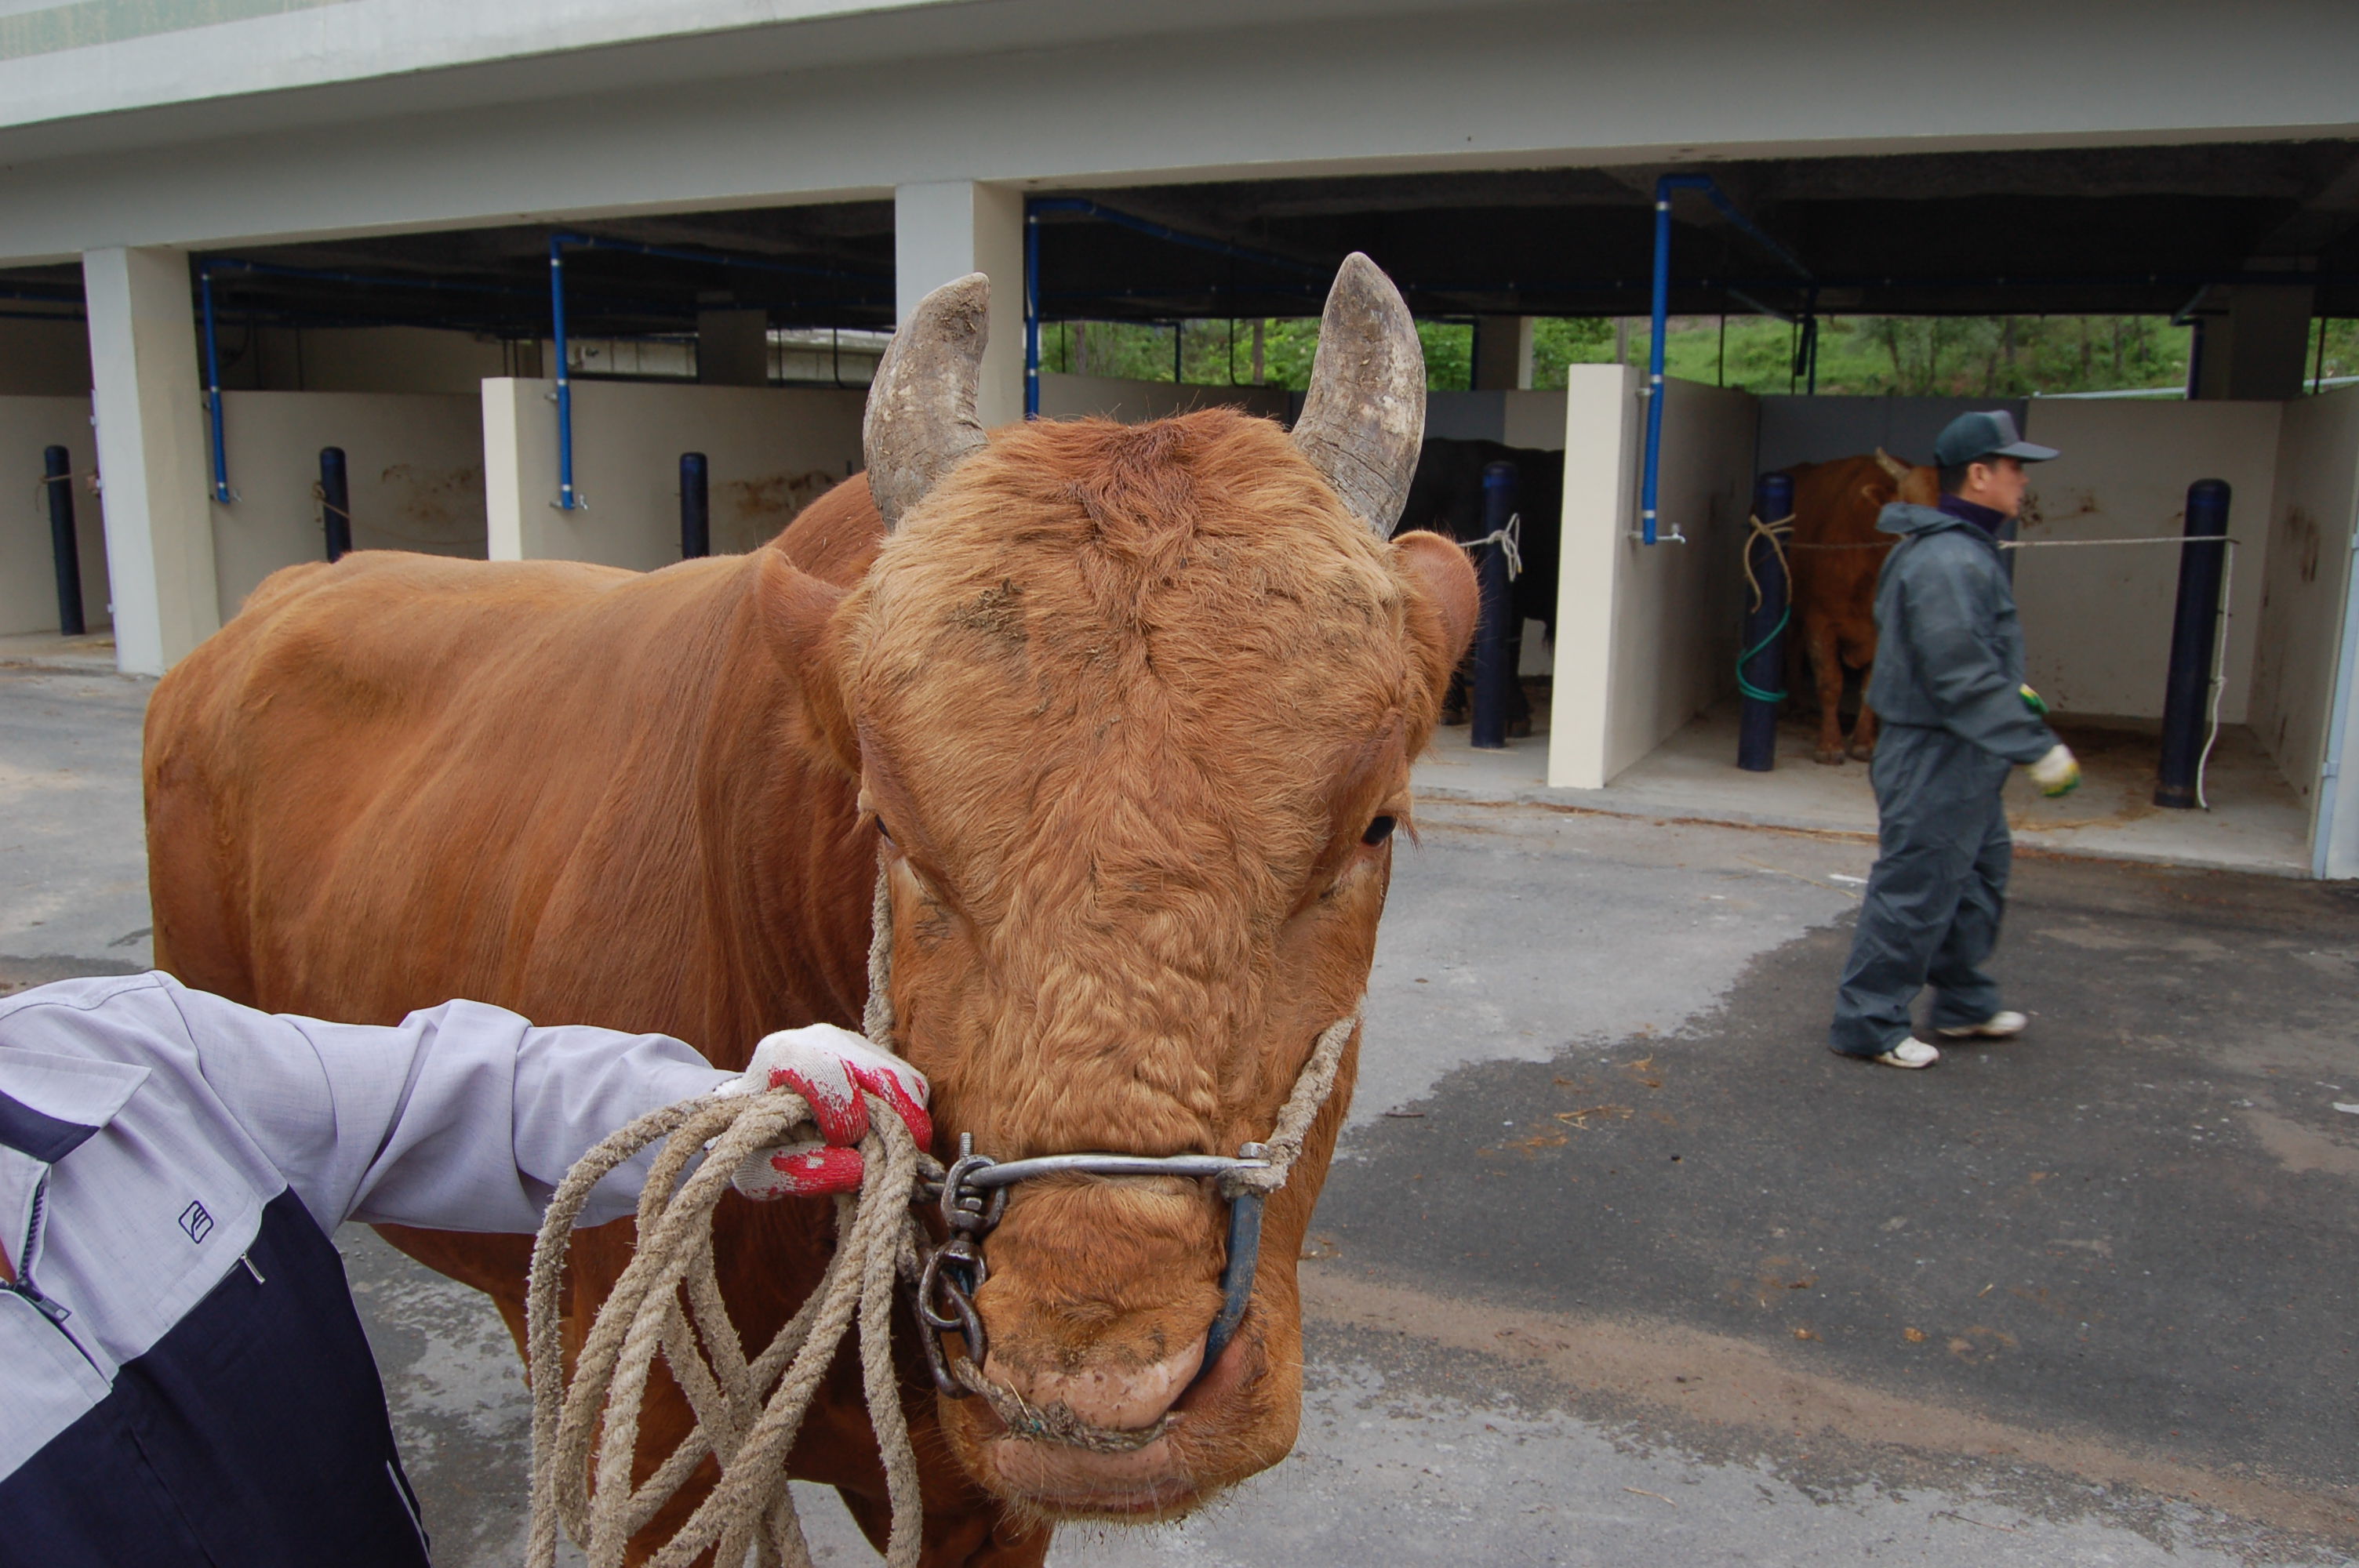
(414, 465)
(28, 596)
(2303, 584)
(1135, 402)
(2096, 623)
(362, 359)
(44, 359)
(771, 449)
(1645, 635)
(1516, 418)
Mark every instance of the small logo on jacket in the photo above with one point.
(196, 1222)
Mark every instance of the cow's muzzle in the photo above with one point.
(973, 1194)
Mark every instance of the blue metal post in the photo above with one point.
(65, 547)
(565, 497)
(1032, 315)
(695, 507)
(2194, 628)
(212, 382)
(1760, 667)
(1494, 670)
(1651, 482)
(335, 503)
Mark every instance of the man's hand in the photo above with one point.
(833, 1069)
(2057, 773)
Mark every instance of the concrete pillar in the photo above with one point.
(1601, 454)
(733, 348)
(946, 229)
(2256, 341)
(1503, 353)
(151, 454)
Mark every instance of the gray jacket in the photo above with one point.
(1949, 652)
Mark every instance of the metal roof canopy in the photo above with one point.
(2063, 231)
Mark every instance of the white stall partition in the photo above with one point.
(2305, 640)
(2096, 620)
(415, 468)
(28, 599)
(1646, 633)
(770, 451)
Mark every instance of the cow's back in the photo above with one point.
(404, 778)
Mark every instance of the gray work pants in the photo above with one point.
(1932, 911)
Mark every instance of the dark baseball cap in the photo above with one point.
(1970, 436)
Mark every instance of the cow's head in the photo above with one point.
(1134, 709)
(1921, 486)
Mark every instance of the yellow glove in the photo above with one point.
(2033, 701)
(2058, 773)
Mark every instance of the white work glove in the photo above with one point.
(834, 1070)
(2057, 773)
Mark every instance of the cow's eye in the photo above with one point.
(1379, 829)
(884, 832)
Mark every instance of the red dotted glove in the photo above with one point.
(834, 1070)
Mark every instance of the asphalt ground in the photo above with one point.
(1617, 1265)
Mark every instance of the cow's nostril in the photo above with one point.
(1120, 1397)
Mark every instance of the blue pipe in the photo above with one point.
(212, 382)
(566, 501)
(1650, 483)
(1032, 312)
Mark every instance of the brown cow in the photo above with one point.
(1129, 713)
(1834, 557)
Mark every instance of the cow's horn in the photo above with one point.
(920, 418)
(1891, 464)
(1364, 416)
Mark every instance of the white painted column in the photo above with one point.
(946, 229)
(151, 454)
(1503, 353)
(1601, 424)
(2259, 347)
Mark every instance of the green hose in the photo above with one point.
(1746, 687)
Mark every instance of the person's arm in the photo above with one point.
(463, 1117)
(1947, 627)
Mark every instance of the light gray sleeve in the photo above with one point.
(463, 1117)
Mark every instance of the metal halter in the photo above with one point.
(973, 1196)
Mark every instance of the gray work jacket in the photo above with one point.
(183, 1378)
(1948, 650)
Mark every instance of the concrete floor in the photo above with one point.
(2256, 821)
(1617, 1266)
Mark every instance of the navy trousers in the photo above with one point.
(1931, 911)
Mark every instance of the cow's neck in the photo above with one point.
(788, 871)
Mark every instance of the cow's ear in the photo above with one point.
(1442, 617)
(798, 616)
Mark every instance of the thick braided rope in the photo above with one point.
(746, 1422)
(1284, 1145)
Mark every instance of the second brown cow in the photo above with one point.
(1833, 557)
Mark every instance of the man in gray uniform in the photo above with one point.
(1956, 715)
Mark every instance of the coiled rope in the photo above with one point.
(748, 1412)
(1779, 533)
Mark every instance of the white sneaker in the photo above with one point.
(1909, 1054)
(1997, 1026)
